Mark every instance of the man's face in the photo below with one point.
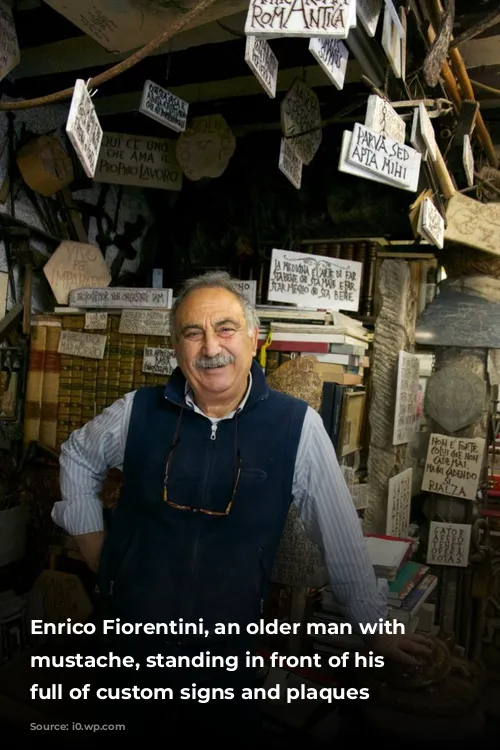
(213, 347)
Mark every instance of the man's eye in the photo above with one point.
(193, 335)
(226, 331)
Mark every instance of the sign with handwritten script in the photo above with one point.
(164, 107)
(290, 163)
(9, 46)
(90, 345)
(449, 544)
(74, 265)
(405, 417)
(314, 280)
(263, 63)
(83, 128)
(96, 321)
(298, 561)
(453, 466)
(116, 297)
(332, 55)
(145, 322)
(383, 118)
(301, 120)
(206, 147)
(431, 223)
(249, 289)
(368, 12)
(473, 223)
(300, 18)
(138, 161)
(159, 361)
(399, 504)
(370, 155)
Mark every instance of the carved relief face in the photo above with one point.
(214, 347)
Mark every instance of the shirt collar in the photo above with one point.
(189, 399)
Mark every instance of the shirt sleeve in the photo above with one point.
(84, 461)
(326, 508)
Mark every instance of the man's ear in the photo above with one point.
(255, 341)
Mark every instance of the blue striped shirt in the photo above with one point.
(320, 494)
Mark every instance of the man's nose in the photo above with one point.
(211, 344)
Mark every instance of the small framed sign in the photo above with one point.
(83, 128)
(431, 224)
(279, 18)
(164, 107)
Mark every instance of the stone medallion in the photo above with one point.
(455, 398)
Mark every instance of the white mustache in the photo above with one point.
(220, 360)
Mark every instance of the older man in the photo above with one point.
(211, 465)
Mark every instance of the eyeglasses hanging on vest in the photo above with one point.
(237, 472)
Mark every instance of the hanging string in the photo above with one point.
(120, 67)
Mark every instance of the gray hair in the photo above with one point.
(215, 280)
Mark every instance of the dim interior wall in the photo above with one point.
(52, 120)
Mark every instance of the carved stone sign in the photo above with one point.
(382, 118)
(473, 223)
(290, 163)
(300, 18)
(368, 12)
(453, 466)
(116, 297)
(135, 160)
(145, 322)
(9, 46)
(399, 504)
(405, 417)
(431, 223)
(263, 63)
(83, 128)
(63, 596)
(298, 561)
(89, 345)
(449, 544)
(249, 289)
(159, 361)
(164, 107)
(96, 321)
(332, 55)
(74, 265)
(205, 148)
(314, 281)
(300, 113)
(427, 131)
(454, 397)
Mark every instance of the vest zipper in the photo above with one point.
(214, 431)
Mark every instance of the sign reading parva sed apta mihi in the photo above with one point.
(314, 281)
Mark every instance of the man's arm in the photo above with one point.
(84, 461)
(326, 508)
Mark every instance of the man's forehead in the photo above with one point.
(212, 303)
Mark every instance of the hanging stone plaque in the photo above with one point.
(455, 398)
(300, 114)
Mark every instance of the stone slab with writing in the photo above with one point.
(431, 223)
(138, 161)
(332, 55)
(377, 153)
(87, 345)
(416, 139)
(454, 397)
(74, 265)
(453, 466)
(145, 322)
(9, 46)
(392, 41)
(314, 281)
(206, 147)
(63, 596)
(405, 413)
(449, 544)
(83, 128)
(158, 361)
(399, 504)
(275, 18)
(249, 290)
(290, 163)
(473, 223)
(298, 561)
(300, 113)
(263, 63)
(356, 167)
(368, 12)
(96, 321)
(164, 107)
(427, 131)
(468, 161)
(382, 118)
(121, 297)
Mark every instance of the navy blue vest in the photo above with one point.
(160, 564)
